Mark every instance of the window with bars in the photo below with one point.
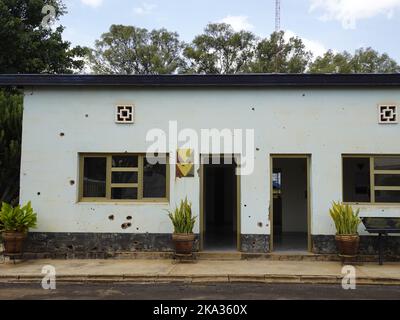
(371, 179)
(123, 177)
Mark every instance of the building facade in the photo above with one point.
(312, 139)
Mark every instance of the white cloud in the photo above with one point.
(349, 11)
(238, 23)
(92, 3)
(145, 8)
(316, 47)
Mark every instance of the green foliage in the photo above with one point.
(220, 50)
(363, 61)
(280, 55)
(345, 218)
(10, 144)
(17, 218)
(131, 50)
(27, 47)
(182, 217)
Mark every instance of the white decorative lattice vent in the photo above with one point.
(387, 114)
(124, 114)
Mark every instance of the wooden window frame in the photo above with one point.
(373, 172)
(110, 185)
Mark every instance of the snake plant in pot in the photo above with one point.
(183, 223)
(15, 223)
(346, 222)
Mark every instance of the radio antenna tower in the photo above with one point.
(277, 15)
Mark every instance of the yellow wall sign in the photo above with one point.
(185, 163)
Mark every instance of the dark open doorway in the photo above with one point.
(220, 205)
(290, 204)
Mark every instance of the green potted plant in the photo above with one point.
(183, 223)
(15, 223)
(346, 222)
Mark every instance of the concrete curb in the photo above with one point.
(182, 278)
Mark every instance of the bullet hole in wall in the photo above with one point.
(259, 224)
(62, 134)
(137, 228)
(304, 94)
(128, 218)
(126, 225)
(111, 217)
(258, 149)
(254, 109)
(245, 205)
(71, 182)
(86, 115)
(38, 193)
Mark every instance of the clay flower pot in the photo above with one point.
(347, 244)
(183, 242)
(13, 242)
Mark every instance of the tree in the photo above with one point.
(28, 47)
(275, 54)
(10, 144)
(371, 61)
(131, 50)
(220, 50)
(363, 61)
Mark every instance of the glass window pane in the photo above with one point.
(388, 180)
(388, 196)
(154, 179)
(124, 193)
(94, 177)
(356, 180)
(124, 177)
(387, 163)
(125, 161)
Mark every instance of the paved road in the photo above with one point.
(198, 291)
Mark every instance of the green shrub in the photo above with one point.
(345, 218)
(17, 218)
(182, 217)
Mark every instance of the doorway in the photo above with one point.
(290, 203)
(219, 218)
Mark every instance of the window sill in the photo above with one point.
(373, 205)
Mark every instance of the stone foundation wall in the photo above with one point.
(95, 245)
(254, 243)
(107, 245)
(325, 244)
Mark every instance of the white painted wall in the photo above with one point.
(323, 122)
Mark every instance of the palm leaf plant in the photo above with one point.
(15, 223)
(17, 219)
(345, 218)
(182, 218)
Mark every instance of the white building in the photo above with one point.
(317, 138)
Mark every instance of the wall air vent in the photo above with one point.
(387, 114)
(124, 114)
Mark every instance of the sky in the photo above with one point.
(322, 24)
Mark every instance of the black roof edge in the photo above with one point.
(210, 80)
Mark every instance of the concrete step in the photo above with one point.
(216, 255)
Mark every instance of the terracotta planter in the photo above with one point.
(183, 242)
(13, 242)
(347, 244)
